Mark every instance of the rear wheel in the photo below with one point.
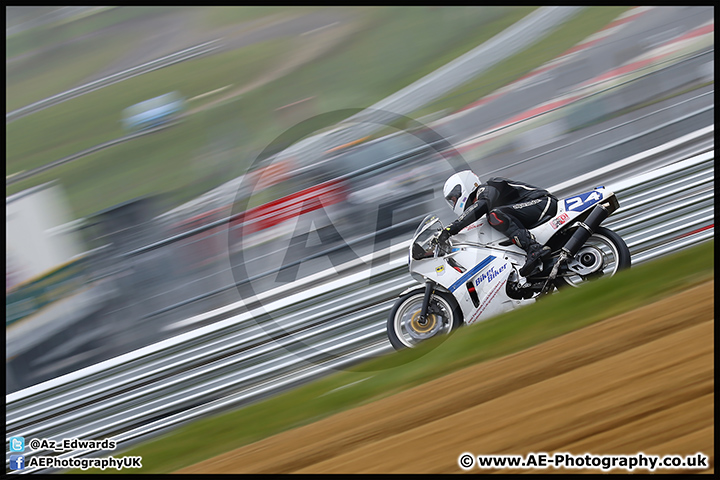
(406, 329)
(603, 255)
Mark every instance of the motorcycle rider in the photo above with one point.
(512, 207)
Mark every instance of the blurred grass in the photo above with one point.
(62, 60)
(394, 51)
(181, 169)
(557, 315)
(29, 80)
(220, 17)
(49, 36)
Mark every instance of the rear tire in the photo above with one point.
(404, 331)
(603, 255)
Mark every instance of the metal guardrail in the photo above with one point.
(667, 209)
(292, 339)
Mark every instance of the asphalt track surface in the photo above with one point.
(639, 382)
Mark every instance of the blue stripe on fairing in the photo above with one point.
(473, 271)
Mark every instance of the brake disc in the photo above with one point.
(419, 331)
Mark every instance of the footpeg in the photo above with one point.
(550, 282)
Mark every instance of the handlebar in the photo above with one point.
(436, 249)
(440, 249)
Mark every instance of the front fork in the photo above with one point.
(429, 287)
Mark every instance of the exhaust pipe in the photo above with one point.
(585, 229)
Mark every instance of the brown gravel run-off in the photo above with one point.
(639, 382)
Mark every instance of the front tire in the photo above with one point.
(405, 331)
(603, 255)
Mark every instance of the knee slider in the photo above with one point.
(497, 220)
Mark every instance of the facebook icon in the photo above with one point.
(17, 462)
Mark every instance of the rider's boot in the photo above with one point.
(535, 252)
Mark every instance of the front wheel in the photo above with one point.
(405, 330)
(603, 255)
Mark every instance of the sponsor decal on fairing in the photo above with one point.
(556, 222)
(490, 275)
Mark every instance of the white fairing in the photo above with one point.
(488, 264)
(486, 270)
(568, 209)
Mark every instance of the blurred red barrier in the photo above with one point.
(280, 210)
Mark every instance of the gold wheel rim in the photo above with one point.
(415, 324)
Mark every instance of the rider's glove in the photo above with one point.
(443, 235)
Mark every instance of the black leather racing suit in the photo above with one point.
(512, 207)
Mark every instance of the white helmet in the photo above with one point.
(458, 188)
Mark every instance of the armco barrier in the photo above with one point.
(333, 323)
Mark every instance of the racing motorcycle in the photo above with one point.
(474, 275)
